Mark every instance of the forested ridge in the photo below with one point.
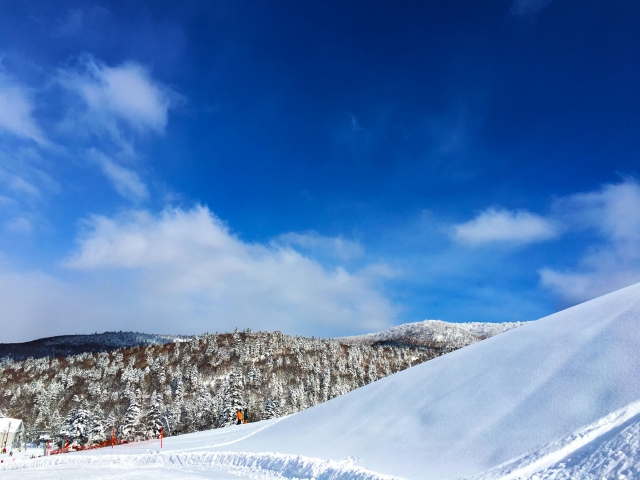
(193, 385)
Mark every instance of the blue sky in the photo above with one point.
(322, 168)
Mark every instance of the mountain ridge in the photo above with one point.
(427, 333)
(66, 345)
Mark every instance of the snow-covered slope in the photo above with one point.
(191, 456)
(608, 448)
(555, 398)
(430, 332)
(485, 404)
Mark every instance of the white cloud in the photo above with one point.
(7, 201)
(125, 181)
(18, 185)
(16, 114)
(504, 226)
(21, 185)
(115, 105)
(183, 271)
(336, 247)
(613, 213)
(19, 225)
(528, 7)
(24, 189)
(574, 287)
(126, 92)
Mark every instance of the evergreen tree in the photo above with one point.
(79, 426)
(130, 428)
(273, 406)
(98, 431)
(110, 425)
(153, 423)
(205, 408)
(233, 400)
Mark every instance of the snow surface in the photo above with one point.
(608, 448)
(184, 457)
(557, 398)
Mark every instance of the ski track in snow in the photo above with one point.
(608, 448)
(237, 435)
(187, 457)
(243, 464)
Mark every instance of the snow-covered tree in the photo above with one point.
(98, 430)
(233, 400)
(189, 386)
(131, 428)
(153, 422)
(77, 424)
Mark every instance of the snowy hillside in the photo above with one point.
(556, 398)
(65, 345)
(189, 386)
(429, 332)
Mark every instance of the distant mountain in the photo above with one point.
(433, 333)
(65, 345)
(429, 333)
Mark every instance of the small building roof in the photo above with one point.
(10, 425)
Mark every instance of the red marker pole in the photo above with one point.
(161, 435)
(113, 437)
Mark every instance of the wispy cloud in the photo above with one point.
(613, 213)
(19, 225)
(70, 25)
(25, 188)
(125, 181)
(504, 226)
(110, 109)
(355, 125)
(7, 201)
(126, 92)
(107, 111)
(528, 7)
(18, 185)
(16, 113)
(335, 247)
